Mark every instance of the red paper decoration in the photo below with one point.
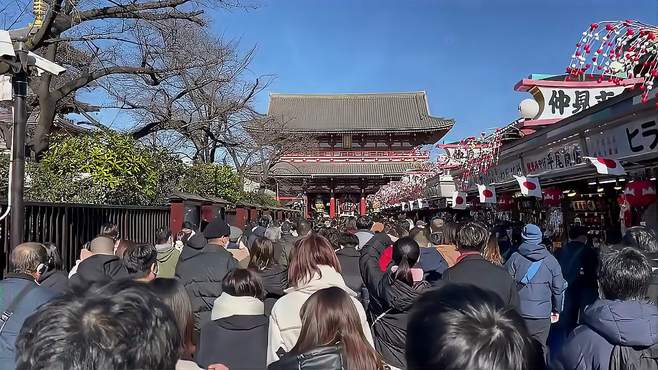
(552, 197)
(640, 193)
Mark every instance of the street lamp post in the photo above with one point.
(17, 207)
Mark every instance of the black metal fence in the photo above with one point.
(69, 226)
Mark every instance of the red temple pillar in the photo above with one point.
(362, 204)
(332, 205)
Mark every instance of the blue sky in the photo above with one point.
(467, 55)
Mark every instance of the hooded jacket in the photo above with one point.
(275, 281)
(237, 337)
(99, 268)
(167, 260)
(390, 302)
(285, 322)
(544, 293)
(201, 269)
(607, 324)
(390, 331)
(55, 280)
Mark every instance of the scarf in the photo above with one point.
(227, 305)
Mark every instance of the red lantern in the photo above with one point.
(552, 197)
(640, 193)
(505, 202)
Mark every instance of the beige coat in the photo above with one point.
(285, 322)
(449, 253)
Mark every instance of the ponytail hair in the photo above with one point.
(405, 255)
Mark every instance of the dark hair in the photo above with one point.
(462, 326)
(405, 255)
(350, 224)
(109, 230)
(120, 325)
(450, 230)
(491, 250)
(420, 235)
(162, 235)
(332, 236)
(243, 283)
(303, 227)
(140, 258)
(262, 254)
(286, 227)
(577, 231)
(625, 275)
(307, 255)
(642, 238)
(402, 228)
(123, 246)
(472, 236)
(54, 258)
(26, 257)
(347, 240)
(329, 316)
(390, 229)
(364, 223)
(173, 294)
(264, 221)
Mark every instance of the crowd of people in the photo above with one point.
(357, 294)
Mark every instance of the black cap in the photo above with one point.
(216, 229)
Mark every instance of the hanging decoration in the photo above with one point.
(607, 166)
(529, 186)
(475, 155)
(612, 51)
(487, 194)
(552, 197)
(459, 200)
(640, 193)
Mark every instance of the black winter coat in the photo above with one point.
(475, 270)
(390, 302)
(321, 358)
(287, 242)
(275, 280)
(201, 269)
(55, 280)
(99, 268)
(238, 341)
(349, 265)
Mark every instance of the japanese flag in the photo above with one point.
(459, 200)
(529, 186)
(607, 166)
(487, 194)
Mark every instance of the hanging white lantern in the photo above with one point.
(529, 108)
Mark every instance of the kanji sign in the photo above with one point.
(636, 137)
(561, 102)
(554, 158)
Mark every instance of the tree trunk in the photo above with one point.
(39, 142)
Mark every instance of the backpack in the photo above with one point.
(629, 358)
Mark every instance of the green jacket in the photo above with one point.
(167, 260)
